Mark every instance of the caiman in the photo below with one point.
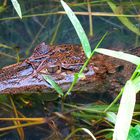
(103, 75)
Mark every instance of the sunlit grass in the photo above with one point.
(126, 108)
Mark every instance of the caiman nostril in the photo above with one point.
(120, 68)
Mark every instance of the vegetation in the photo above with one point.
(88, 120)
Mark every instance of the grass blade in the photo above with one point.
(54, 84)
(80, 129)
(111, 117)
(80, 32)
(17, 123)
(17, 7)
(76, 76)
(121, 55)
(125, 112)
(124, 20)
(136, 82)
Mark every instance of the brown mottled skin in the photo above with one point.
(104, 74)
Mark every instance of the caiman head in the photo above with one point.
(61, 62)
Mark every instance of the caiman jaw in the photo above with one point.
(25, 82)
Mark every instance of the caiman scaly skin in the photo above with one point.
(103, 74)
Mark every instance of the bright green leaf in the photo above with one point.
(121, 55)
(53, 84)
(17, 7)
(81, 75)
(81, 33)
(134, 133)
(76, 75)
(125, 112)
(111, 116)
(136, 83)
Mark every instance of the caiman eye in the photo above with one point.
(53, 69)
(86, 69)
